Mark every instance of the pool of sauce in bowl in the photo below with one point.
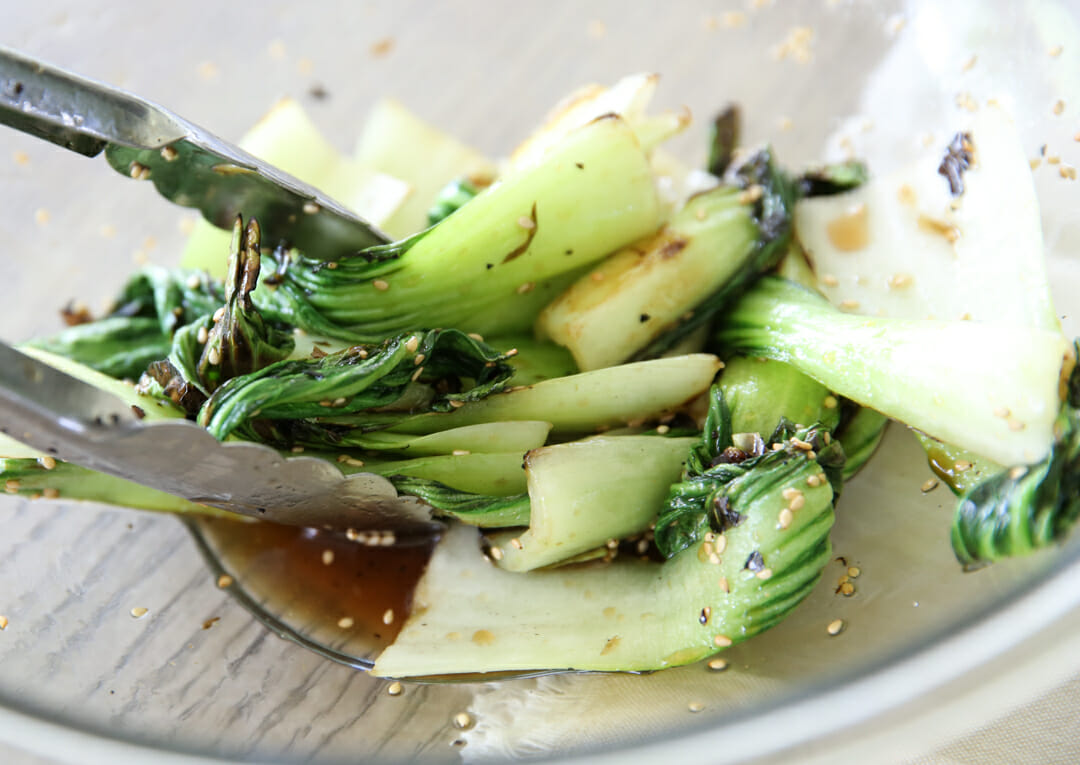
(341, 604)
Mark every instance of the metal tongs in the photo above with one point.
(60, 415)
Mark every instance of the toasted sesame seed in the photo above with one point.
(526, 222)
(1055, 51)
(219, 314)
(461, 452)
(1017, 472)
(717, 665)
(962, 465)
(139, 612)
(340, 401)
(21, 158)
(1034, 163)
(847, 589)
(830, 402)
(346, 622)
(50, 493)
(351, 534)
(798, 443)
(899, 281)
(496, 553)
(526, 287)
(854, 571)
(969, 64)
(765, 573)
(751, 194)
(516, 544)
(663, 429)
(813, 481)
(720, 544)
(168, 153)
(785, 518)
(419, 359)
(695, 706)
(139, 171)
(722, 641)
(849, 305)
(310, 208)
(326, 402)
(929, 485)
(11, 486)
(705, 614)
(722, 583)
(395, 688)
(49, 463)
(1015, 424)
(597, 276)
(777, 447)
(1002, 411)
(224, 581)
(1059, 107)
(416, 375)
(456, 404)
(3, 622)
(829, 280)
(1053, 159)
(351, 461)
(462, 720)
(790, 492)
(412, 344)
(797, 503)
(381, 285)
(327, 557)
(511, 353)
(835, 627)
(477, 337)
(388, 616)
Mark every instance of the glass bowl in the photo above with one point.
(927, 651)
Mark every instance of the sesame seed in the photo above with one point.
(526, 222)
(849, 305)
(419, 359)
(720, 544)
(11, 486)
(168, 153)
(516, 544)
(327, 557)
(1034, 163)
(456, 404)
(1055, 51)
(777, 447)
(340, 401)
(854, 572)
(597, 29)
(899, 281)
(1059, 107)
(496, 553)
(813, 481)
(21, 158)
(663, 429)
(461, 452)
(969, 64)
(797, 503)
(462, 720)
(829, 280)
(1053, 159)
(48, 463)
(351, 534)
(412, 344)
(395, 688)
(929, 485)
(213, 356)
(695, 706)
(42, 216)
(1017, 472)
(835, 627)
(703, 617)
(790, 493)
(765, 573)
(381, 285)
(511, 353)
(1015, 425)
(138, 171)
(416, 375)
(310, 208)
(751, 194)
(139, 612)
(597, 276)
(723, 584)
(50, 493)
(1002, 411)
(722, 641)
(718, 665)
(733, 19)
(785, 124)
(798, 443)
(477, 337)
(785, 518)
(224, 581)
(3, 622)
(219, 314)
(388, 616)
(526, 287)
(962, 465)
(345, 622)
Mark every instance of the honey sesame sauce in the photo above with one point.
(340, 608)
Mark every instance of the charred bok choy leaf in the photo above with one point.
(647, 297)
(491, 265)
(723, 480)
(1023, 508)
(630, 615)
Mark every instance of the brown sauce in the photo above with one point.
(342, 604)
(850, 231)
